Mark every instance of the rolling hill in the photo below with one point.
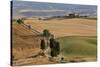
(25, 41)
(77, 38)
(65, 27)
(22, 36)
(78, 46)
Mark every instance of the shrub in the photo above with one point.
(42, 44)
(20, 21)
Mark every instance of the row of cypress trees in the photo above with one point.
(54, 45)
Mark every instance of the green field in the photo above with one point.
(89, 17)
(78, 46)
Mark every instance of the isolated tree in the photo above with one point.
(20, 21)
(57, 48)
(52, 43)
(42, 44)
(46, 34)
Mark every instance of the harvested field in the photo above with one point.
(66, 27)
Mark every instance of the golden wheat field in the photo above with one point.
(66, 27)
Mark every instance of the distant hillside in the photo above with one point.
(25, 8)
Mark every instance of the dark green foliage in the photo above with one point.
(52, 42)
(55, 47)
(20, 21)
(46, 33)
(42, 44)
(53, 53)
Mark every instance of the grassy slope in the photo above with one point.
(78, 46)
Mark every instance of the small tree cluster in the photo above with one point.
(54, 45)
(20, 21)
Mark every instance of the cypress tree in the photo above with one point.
(52, 43)
(42, 44)
(57, 45)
